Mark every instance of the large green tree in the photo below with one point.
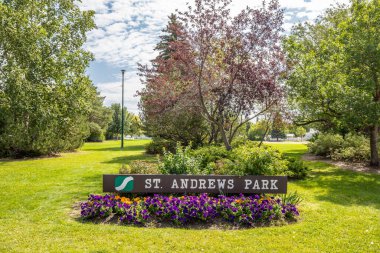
(334, 76)
(100, 117)
(132, 123)
(45, 95)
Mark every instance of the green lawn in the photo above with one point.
(340, 211)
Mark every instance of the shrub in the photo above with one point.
(96, 133)
(297, 168)
(157, 146)
(210, 154)
(249, 159)
(355, 148)
(326, 144)
(140, 167)
(259, 161)
(181, 162)
(223, 166)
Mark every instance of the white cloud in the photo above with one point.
(112, 91)
(128, 31)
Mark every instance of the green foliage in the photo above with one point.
(292, 198)
(181, 162)
(223, 166)
(297, 168)
(258, 130)
(326, 144)
(96, 133)
(140, 167)
(210, 154)
(259, 161)
(99, 119)
(300, 132)
(278, 134)
(334, 81)
(45, 94)
(132, 123)
(114, 128)
(245, 159)
(135, 126)
(158, 145)
(353, 147)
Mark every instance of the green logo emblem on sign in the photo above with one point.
(124, 183)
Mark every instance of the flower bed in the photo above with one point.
(240, 210)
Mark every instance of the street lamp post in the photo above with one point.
(122, 109)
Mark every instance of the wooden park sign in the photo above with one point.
(193, 184)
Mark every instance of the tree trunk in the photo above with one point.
(225, 139)
(374, 136)
(265, 134)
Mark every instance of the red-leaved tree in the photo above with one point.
(225, 67)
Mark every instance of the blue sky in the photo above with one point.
(128, 30)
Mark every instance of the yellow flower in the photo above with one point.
(126, 200)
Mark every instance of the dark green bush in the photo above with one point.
(297, 168)
(96, 133)
(157, 146)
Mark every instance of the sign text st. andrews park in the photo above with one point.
(135, 183)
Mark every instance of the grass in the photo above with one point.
(340, 211)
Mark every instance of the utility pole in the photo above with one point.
(122, 109)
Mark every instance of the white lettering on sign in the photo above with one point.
(198, 183)
(193, 183)
(211, 183)
(256, 185)
(264, 184)
(230, 184)
(202, 183)
(221, 183)
(184, 183)
(273, 185)
(156, 181)
(148, 183)
(174, 184)
(248, 182)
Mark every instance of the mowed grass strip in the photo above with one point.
(340, 211)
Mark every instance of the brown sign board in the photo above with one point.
(135, 183)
